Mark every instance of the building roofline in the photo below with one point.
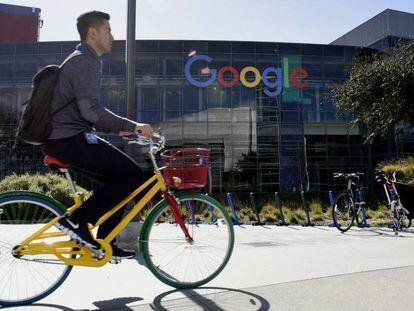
(18, 9)
(386, 11)
(188, 40)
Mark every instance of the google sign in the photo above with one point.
(295, 76)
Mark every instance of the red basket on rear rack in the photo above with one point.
(189, 164)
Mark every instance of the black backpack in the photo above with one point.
(35, 124)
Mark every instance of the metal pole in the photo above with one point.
(233, 208)
(306, 208)
(361, 197)
(130, 60)
(331, 202)
(254, 208)
(279, 206)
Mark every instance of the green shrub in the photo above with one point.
(252, 217)
(404, 168)
(293, 219)
(269, 213)
(50, 185)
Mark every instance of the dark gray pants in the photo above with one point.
(116, 171)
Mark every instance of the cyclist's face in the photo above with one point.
(104, 37)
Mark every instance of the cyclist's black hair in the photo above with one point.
(90, 19)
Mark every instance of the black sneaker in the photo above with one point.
(119, 253)
(80, 234)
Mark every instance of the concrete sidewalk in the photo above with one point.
(272, 268)
(389, 289)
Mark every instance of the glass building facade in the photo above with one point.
(259, 143)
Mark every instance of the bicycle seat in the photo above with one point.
(54, 162)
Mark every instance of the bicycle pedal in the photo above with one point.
(115, 261)
(98, 254)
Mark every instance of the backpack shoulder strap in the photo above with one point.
(73, 55)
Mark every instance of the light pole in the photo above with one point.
(130, 60)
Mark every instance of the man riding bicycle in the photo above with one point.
(76, 117)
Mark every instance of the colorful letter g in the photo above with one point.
(187, 72)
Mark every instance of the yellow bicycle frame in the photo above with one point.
(68, 250)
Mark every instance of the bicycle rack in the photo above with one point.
(331, 202)
(193, 221)
(306, 208)
(254, 208)
(230, 200)
(279, 206)
(213, 216)
(364, 223)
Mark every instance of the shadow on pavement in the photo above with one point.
(116, 303)
(383, 232)
(211, 298)
(39, 307)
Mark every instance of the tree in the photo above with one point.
(380, 90)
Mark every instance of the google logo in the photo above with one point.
(294, 77)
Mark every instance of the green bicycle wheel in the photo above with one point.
(29, 278)
(171, 257)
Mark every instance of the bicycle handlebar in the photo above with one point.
(381, 177)
(351, 175)
(155, 144)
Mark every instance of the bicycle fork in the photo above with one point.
(177, 215)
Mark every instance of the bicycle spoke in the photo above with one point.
(179, 262)
(29, 276)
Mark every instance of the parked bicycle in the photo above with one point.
(349, 203)
(399, 213)
(180, 245)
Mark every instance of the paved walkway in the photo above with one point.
(272, 268)
(389, 289)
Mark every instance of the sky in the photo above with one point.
(305, 21)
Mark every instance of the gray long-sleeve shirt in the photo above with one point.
(79, 79)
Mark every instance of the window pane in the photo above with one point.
(312, 49)
(194, 99)
(147, 46)
(267, 48)
(170, 64)
(332, 50)
(117, 65)
(242, 47)
(27, 48)
(219, 47)
(7, 68)
(201, 47)
(26, 66)
(170, 46)
(146, 64)
(289, 48)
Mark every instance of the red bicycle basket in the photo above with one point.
(189, 164)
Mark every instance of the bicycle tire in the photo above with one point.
(344, 207)
(358, 217)
(406, 221)
(158, 251)
(19, 212)
(408, 225)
